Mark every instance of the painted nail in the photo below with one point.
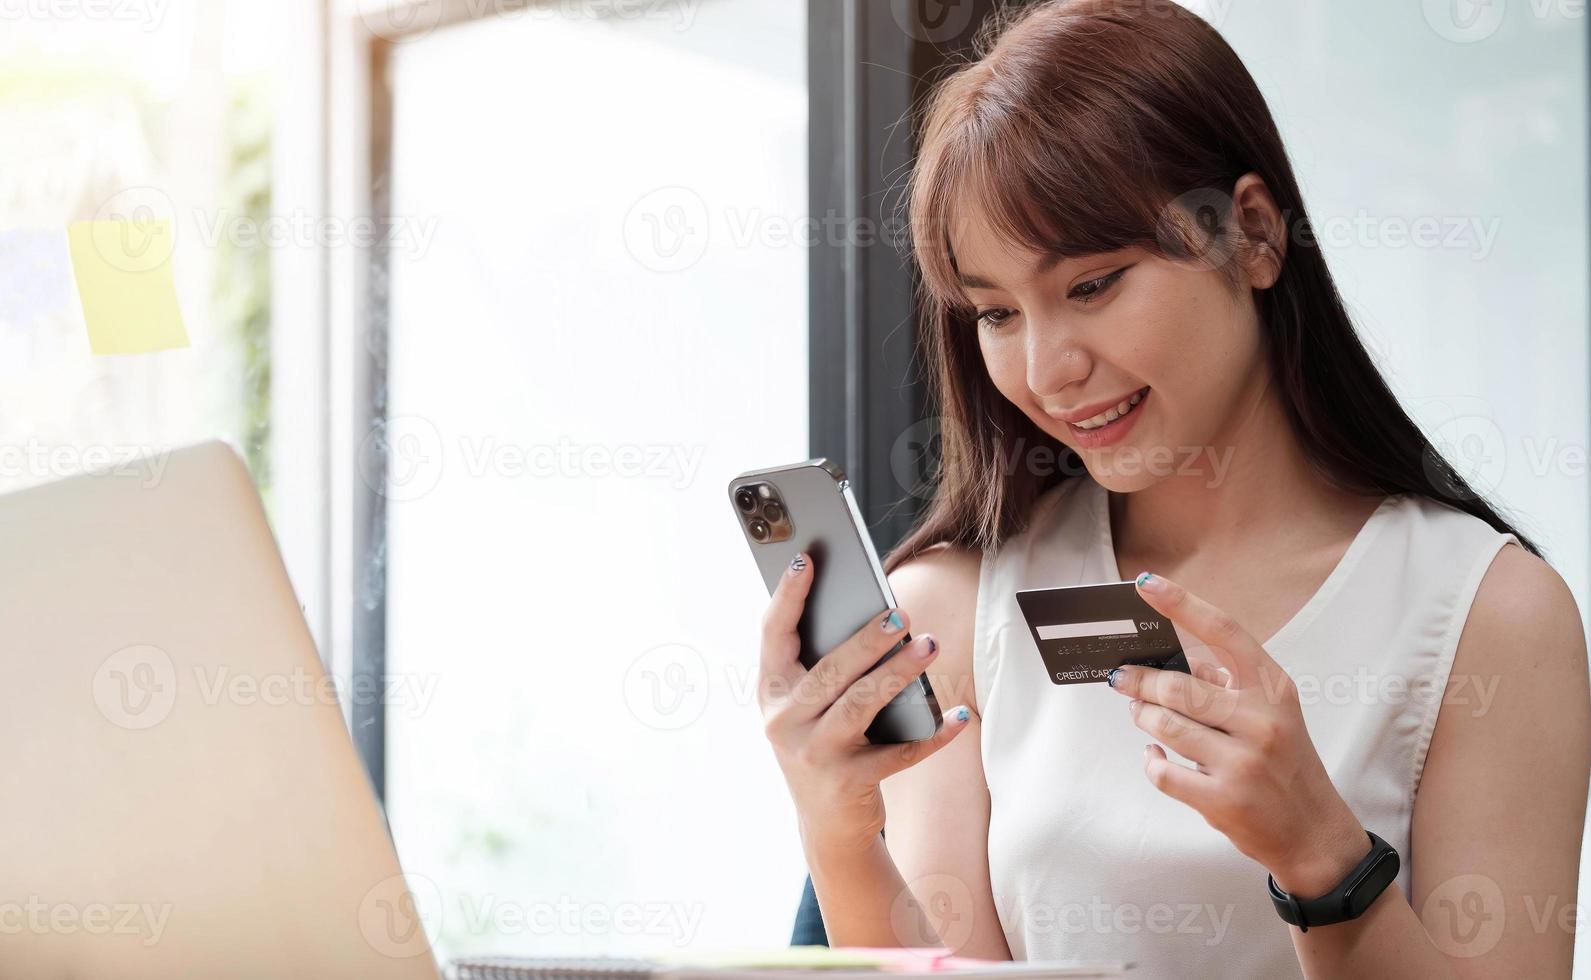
(960, 713)
(931, 648)
(1110, 678)
(797, 563)
(1151, 583)
(892, 623)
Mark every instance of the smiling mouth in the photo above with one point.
(1109, 415)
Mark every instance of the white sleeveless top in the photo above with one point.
(1087, 859)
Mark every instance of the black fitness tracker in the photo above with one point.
(1349, 899)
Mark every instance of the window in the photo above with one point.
(598, 317)
(104, 122)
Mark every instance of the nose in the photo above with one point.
(1054, 361)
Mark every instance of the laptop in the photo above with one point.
(181, 795)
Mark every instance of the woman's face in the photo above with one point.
(1070, 341)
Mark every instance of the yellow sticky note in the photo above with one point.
(124, 279)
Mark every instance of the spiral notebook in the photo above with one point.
(783, 963)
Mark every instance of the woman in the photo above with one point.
(1141, 362)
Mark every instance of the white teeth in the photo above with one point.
(1111, 414)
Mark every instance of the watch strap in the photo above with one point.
(1345, 902)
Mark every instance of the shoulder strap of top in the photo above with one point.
(1445, 553)
(1058, 547)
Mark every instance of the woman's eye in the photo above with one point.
(1091, 290)
(994, 318)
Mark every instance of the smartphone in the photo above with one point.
(810, 507)
(1083, 632)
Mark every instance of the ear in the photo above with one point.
(1264, 230)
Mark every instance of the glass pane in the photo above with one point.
(115, 112)
(598, 318)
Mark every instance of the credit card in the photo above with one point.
(1083, 632)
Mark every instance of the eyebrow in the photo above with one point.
(1044, 264)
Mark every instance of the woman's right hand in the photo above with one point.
(817, 719)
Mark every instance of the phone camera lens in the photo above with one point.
(745, 499)
(773, 511)
(759, 530)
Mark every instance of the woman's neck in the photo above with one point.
(1254, 484)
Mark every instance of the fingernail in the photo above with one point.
(1147, 756)
(1133, 705)
(892, 623)
(960, 713)
(1110, 678)
(928, 649)
(797, 563)
(1148, 582)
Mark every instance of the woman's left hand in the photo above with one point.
(1257, 777)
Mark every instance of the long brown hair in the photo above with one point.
(1087, 126)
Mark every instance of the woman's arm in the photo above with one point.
(816, 721)
(1501, 806)
(937, 827)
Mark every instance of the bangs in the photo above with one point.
(1044, 193)
(1056, 170)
